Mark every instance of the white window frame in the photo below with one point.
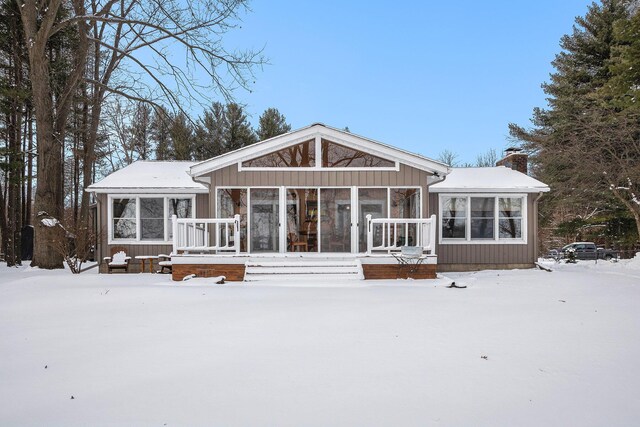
(496, 212)
(137, 197)
(318, 161)
(355, 202)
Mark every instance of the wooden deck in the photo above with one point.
(382, 266)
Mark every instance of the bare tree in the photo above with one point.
(448, 157)
(488, 159)
(136, 39)
(118, 114)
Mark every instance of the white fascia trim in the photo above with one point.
(252, 151)
(395, 168)
(159, 191)
(489, 191)
(296, 137)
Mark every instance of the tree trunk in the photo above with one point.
(14, 169)
(3, 218)
(49, 169)
(92, 122)
(29, 179)
(51, 120)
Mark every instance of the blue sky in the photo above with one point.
(424, 76)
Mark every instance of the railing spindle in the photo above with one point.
(195, 234)
(425, 230)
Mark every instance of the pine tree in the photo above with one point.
(624, 85)
(160, 133)
(16, 95)
(141, 130)
(581, 144)
(272, 123)
(238, 133)
(210, 133)
(181, 134)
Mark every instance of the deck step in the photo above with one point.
(302, 270)
(296, 263)
(302, 278)
(306, 270)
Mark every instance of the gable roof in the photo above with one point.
(491, 179)
(148, 176)
(318, 129)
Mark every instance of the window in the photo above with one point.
(338, 156)
(152, 219)
(319, 153)
(405, 203)
(124, 218)
(454, 217)
(147, 219)
(297, 156)
(482, 218)
(510, 217)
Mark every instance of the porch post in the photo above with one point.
(432, 234)
(369, 234)
(174, 227)
(236, 233)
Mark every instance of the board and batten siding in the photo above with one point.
(406, 176)
(464, 257)
(104, 249)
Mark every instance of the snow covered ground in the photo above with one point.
(519, 348)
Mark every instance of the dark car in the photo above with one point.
(607, 254)
(588, 250)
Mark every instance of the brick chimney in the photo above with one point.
(514, 159)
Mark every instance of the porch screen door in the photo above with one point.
(302, 220)
(335, 219)
(371, 201)
(265, 219)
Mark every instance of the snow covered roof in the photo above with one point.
(492, 179)
(150, 177)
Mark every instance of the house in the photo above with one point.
(320, 195)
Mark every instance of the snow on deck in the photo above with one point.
(521, 347)
(164, 175)
(497, 178)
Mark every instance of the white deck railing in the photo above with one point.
(206, 234)
(390, 234)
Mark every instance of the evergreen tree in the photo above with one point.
(581, 144)
(624, 85)
(141, 130)
(14, 100)
(238, 132)
(160, 134)
(210, 133)
(272, 123)
(181, 134)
